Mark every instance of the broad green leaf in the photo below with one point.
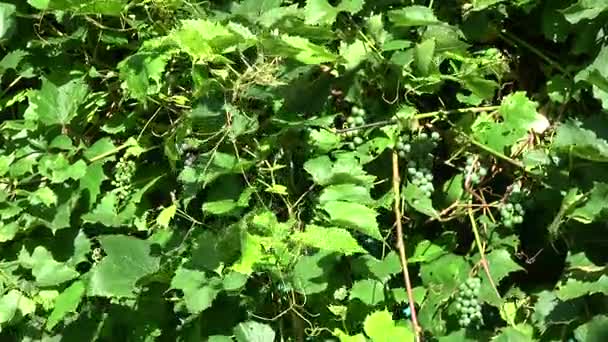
(329, 239)
(252, 331)
(105, 212)
(346, 169)
(321, 12)
(127, 260)
(92, 180)
(582, 277)
(418, 200)
(595, 330)
(15, 302)
(413, 16)
(58, 169)
(142, 73)
(105, 7)
(306, 52)
(445, 273)
(44, 196)
(5, 163)
(45, 269)
(7, 21)
(343, 214)
(596, 74)
(382, 270)
(423, 56)
(56, 104)
(346, 192)
(581, 142)
(251, 253)
(426, 251)
(344, 337)
(596, 203)
(199, 291)
(368, 291)
(312, 273)
(67, 302)
(100, 149)
(166, 215)
(500, 264)
(516, 333)
(584, 10)
(353, 53)
(380, 327)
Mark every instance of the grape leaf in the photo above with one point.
(45, 269)
(56, 104)
(382, 270)
(596, 74)
(312, 273)
(346, 169)
(329, 239)
(596, 203)
(142, 73)
(341, 214)
(572, 138)
(14, 302)
(380, 327)
(419, 201)
(368, 291)
(305, 51)
(7, 22)
(596, 330)
(344, 337)
(321, 12)
(500, 264)
(199, 291)
(584, 10)
(413, 16)
(346, 192)
(66, 302)
(252, 331)
(127, 260)
(91, 181)
(106, 7)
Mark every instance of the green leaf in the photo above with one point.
(14, 302)
(91, 181)
(382, 270)
(252, 331)
(102, 147)
(596, 74)
(368, 291)
(7, 21)
(380, 327)
(346, 192)
(5, 163)
(595, 330)
(67, 302)
(251, 253)
(584, 10)
(56, 104)
(423, 56)
(580, 142)
(445, 273)
(582, 277)
(306, 52)
(341, 214)
(199, 291)
(127, 260)
(312, 273)
(596, 203)
(166, 215)
(344, 337)
(44, 196)
(321, 12)
(500, 264)
(105, 7)
(413, 16)
(516, 333)
(346, 169)
(418, 200)
(105, 212)
(353, 53)
(329, 239)
(45, 269)
(142, 73)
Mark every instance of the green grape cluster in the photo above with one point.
(512, 212)
(356, 119)
(476, 172)
(419, 153)
(467, 303)
(123, 173)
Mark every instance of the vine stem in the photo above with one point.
(482, 254)
(401, 245)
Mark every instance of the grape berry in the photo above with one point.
(419, 153)
(512, 212)
(356, 119)
(467, 303)
(476, 174)
(123, 173)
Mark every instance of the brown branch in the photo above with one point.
(401, 245)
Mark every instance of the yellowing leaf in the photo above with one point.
(165, 216)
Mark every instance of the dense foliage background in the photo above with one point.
(276, 170)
